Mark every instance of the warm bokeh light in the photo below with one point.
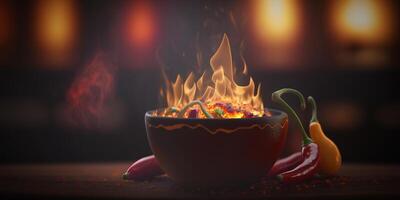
(276, 20)
(56, 26)
(5, 23)
(140, 27)
(342, 115)
(361, 20)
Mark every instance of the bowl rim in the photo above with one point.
(275, 113)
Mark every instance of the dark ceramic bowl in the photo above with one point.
(216, 152)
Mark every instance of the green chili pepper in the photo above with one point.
(171, 110)
(276, 97)
(198, 102)
(219, 112)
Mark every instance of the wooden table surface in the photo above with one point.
(103, 180)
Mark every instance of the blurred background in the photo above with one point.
(76, 77)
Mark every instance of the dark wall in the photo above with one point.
(359, 106)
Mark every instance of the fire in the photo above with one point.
(221, 95)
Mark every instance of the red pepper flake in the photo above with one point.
(248, 114)
(220, 104)
(193, 113)
(229, 108)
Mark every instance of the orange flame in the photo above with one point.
(221, 88)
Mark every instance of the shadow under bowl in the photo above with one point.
(217, 152)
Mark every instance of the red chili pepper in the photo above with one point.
(309, 152)
(306, 169)
(285, 164)
(143, 169)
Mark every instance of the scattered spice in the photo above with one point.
(271, 187)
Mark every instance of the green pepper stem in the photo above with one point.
(198, 102)
(276, 97)
(313, 104)
(171, 110)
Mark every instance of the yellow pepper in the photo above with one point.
(330, 158)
